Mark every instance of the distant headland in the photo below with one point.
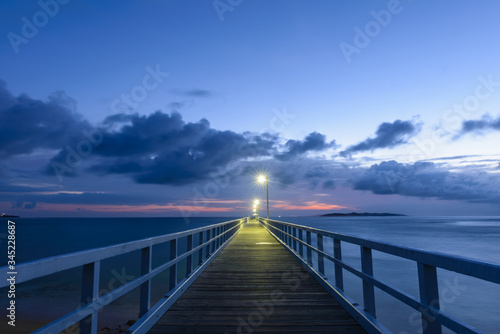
(3, 215)
(361, 214)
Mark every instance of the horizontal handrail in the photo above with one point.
(428, 305)
(211, 240)
(462, 265)
(38, 268)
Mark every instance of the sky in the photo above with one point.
(173, 108)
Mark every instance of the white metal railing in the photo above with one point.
(297, 238)
(211, 240)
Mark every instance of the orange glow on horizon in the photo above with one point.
(311, 205)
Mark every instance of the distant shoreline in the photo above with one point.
(362, 214)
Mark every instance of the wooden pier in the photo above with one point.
(248, 276)
(255, 286)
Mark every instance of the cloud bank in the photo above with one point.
(388, 135)
(428, 180)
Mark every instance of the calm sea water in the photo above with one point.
(467, 299)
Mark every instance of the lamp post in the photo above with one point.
(262, 179)
(256, 206)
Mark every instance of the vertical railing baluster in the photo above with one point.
(90, 293)
(286, 235)
(173, 268)
(200, 252)
(213, 240)
(309, 250)
(207, 247)
(189, 259)
(301, 246)
(321, 258)
(294, 241)
(219, 239)
(368, 288)
(429, 296)
(337, 254)
(145, 290)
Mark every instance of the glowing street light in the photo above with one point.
(262, 179)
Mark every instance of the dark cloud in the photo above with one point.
(317, 172)
(159, 148)
(27, 124)
(312, 142)
(329, 185)
(485, 123)
(388, 135)
(195, 93)
(177, 105)
(425, 179)
(162, 149)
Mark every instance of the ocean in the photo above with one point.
(473, 301)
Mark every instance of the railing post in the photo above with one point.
(213, 240)
(287, 229)
(368, 288)
(337, 254)
(173, 268)
(301, 246)
(90, 293)
(200, 252)
(218, 239)
(294, 242)
(309, 251)
(145, 290)
(321, 258)
(207, 247)
(189, 259)
(429, 295)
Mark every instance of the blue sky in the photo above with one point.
(225, 89)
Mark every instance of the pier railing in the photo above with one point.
(298, 240)
(209, 241)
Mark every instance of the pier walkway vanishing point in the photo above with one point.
(241, 276)
(253, 286)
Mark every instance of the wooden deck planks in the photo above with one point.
(255, 286)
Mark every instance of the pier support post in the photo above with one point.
(200, 252)
(145, 290)
(90, 293)
(368, 288)
(429, 295)
(301, 246)
(309, 251)
(189, 259)
(321, 258)
(173, 268)
(337, 254)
